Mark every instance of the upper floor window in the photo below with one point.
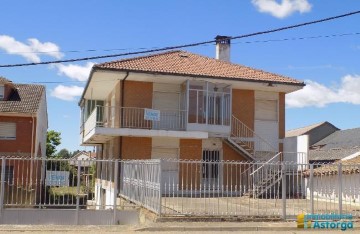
(2, 92)
(7, 131)
(209, 103)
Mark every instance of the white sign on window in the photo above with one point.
(57, 178)
(151, 114)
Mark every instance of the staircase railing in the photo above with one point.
(266, 175)
(241, 132)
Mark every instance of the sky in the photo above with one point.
(325, 55)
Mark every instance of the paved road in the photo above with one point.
(169, 227)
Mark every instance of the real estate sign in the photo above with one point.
(57, 178)
(151, 114)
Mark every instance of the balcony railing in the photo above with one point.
(133, 117)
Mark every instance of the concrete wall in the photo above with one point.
(321, 132)
(327, 188)
(41, 128)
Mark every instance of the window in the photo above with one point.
(2, 92)
(7, 131)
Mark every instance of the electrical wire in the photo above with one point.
(184, 45)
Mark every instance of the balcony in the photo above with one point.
(105, 123)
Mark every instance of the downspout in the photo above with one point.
(121, 109)
(32, 136)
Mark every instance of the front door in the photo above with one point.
(211, 170)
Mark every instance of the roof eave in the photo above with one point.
(201, 76)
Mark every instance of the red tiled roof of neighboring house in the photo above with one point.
(349, 166)
(25, 98)
(189, 64)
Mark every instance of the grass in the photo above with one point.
(66, 191)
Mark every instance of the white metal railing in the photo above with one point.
(191, 188)
(240, 133)
(140, 183)
(133, 117)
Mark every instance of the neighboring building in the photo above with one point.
(180, 105)
(23, 119)
(316, 132)
(84, 160)
(327, 143)
(23, 127)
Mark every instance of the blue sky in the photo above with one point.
(69, 29)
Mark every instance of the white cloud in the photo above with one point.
(75, 72)
(30, 50)
(67, 93)
(318, 95)
(283, 9)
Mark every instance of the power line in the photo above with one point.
(299, 38)
(185, 45)
(156, 47)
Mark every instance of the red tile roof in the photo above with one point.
(350, 166)
(25, 98)
(186, 63)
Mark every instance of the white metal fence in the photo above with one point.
(177, 187)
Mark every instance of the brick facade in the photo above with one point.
(243, 106)
(136, 148)
(22, 143)
(138, 94)
(281, 119)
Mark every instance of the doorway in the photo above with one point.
(211, 170)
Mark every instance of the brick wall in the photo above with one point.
(190, 175)
(243, 106)
(136, 148)
(230, 154)
(138, 94)
(234, 173)
(22, 144)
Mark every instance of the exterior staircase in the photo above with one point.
(244, 139)
(264, 175)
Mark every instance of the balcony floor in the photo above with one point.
(101, 134)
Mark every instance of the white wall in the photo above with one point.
(296, 149)
(41, 127)
(327, 188)
(267, 118)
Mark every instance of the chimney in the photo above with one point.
(223, 48)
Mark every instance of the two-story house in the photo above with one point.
(181, 105)
(23, 127)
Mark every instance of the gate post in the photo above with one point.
(78, 194)
(283, 189)
(116, 174)
(160, 185)
(311, 188)
(340, 187)
(3, 163)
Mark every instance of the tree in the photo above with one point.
(64, 153)
(53, 139)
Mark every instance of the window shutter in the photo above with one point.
(266, 110)
(7, 130)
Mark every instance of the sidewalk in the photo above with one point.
(168, 227)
